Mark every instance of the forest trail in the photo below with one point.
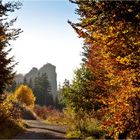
(40, 130)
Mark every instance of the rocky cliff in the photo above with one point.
(49, 69)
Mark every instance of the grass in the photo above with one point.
(84, 127)
(57, 118)
(10, 128)
(87, 128)
(50, 115)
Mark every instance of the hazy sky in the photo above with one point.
(47, 37)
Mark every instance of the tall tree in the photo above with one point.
(111, 39)
(81, 93)
(12, 87)
(42, 90)
(6, 35)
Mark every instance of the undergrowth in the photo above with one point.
(10, 121)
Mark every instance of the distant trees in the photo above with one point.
(6, 35)
(42, 90)
(25, 95)
(12, 87)
(110, 30)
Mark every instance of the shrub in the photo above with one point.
(9, 109)
(41, 112)
(10, 121)
(50, 115)
(83, 125)
(25, 95)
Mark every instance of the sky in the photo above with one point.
(47, 37)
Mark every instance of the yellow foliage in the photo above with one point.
(25, 95)
(8, 109)
(10, 121)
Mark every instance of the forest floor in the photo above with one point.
(39, 130)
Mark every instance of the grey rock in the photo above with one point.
(49, 69)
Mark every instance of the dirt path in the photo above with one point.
(39, 130)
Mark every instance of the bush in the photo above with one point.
(41, 112)
(10, 121)
(83, 125)
(50, 115)
(25, 95)
(9, 109)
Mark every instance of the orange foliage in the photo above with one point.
(112, 40)
(25, 95)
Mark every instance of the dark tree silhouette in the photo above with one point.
(7, 33)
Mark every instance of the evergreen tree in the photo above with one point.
(25, 81)
(81, 94)
(42, 90)
(6, 35)
(12, 87)
(30, 84)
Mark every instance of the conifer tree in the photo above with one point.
(7, 33)
(42, 90)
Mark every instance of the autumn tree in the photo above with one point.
(25, 95)
(111, 41)
(7, 33)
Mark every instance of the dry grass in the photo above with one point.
(57, 117)
(50, 115)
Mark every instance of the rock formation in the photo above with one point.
(49, 69)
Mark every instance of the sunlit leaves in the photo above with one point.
(25, 95)
(9, 109)
(110, 30)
